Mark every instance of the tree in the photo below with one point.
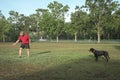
(79, 20)
(4, 28)
(19, 22)
(115, 26)
(97, 9)
(41, 13)
(58, 12)
(46, 24)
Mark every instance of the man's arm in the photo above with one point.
(29, 41)
(16, 42)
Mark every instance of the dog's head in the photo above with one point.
(92, 50)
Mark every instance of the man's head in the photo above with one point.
(21, 33)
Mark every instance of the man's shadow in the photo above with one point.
(44, 52)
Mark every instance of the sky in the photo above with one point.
(28, 7)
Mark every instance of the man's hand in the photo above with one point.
(14, 44)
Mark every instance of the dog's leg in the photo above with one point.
(96, 58)
(106, 57)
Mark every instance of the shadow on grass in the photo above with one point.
(117, 47)
(78, 69)
(45, 52)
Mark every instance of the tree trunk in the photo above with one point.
(84, 35)
(3, 38)
(50, 38)
(108, 36)
(41, 37)
(98, 30)
(75, 37)
(57, 38)
(98, 33)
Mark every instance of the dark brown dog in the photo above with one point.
(99, 53)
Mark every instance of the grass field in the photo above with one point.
(59, 61)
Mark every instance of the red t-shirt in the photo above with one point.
(24, 39)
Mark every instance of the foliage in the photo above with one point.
(100, 10)
(58, 12)
(97, 19)
(4, 28)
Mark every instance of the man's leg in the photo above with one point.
(28, 52)
(20, 52)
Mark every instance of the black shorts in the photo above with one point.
(27, 46)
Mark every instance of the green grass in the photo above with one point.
(59, 61)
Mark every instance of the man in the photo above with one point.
(25, 41)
